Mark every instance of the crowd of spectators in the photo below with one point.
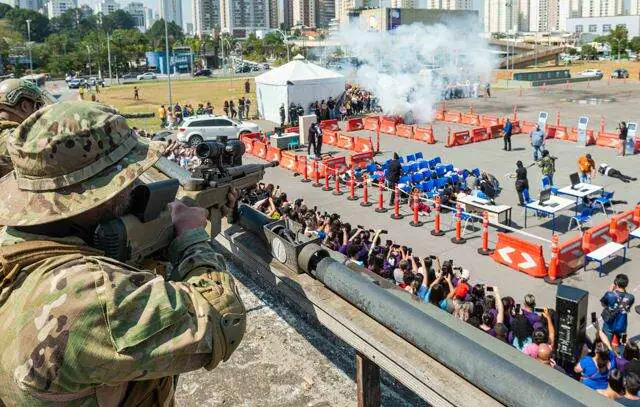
(183, 155)
(612, 370)
(463, 89)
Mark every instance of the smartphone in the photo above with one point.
(489, 288)
(409, 250)
(624, 338)
(384, 231)
(389, 242)
(315, 209)
(538, 310)
(433, 256)
(594, 318)
(517, 309)
(360, 227)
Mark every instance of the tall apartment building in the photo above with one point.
(137, 12)
(206, 16)
(27, 4)
(500, 15)
(343, 7)
(171, 10)
(55, 8)
(304, 13)
(242, 17)
(601, 8)
(405, 4)
(450, 4)
(108, 6)
(543, 15)
(285, 13)
(148, 17)
(326, 11)
(86, 10)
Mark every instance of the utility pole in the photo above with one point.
(89, 52)
(109, 58)
(29, 45)
(166, 44)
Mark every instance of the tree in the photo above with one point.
(4, 9)
(39, 24)
(74, 24)
(634, 44)
(588, 51)
(155, 34)
(572, 51)
(618, 39)
(119, 19)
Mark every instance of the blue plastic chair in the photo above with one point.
(411, 158)
(603, 200)
(545, 182)
(475, 172)
(583, 217)
(455, 178)
(417, 178)
(437, 160)
(385, 166)
(405, 179)
(432, 164)
(414, 167)
(406, 168)
(441, 183)
(426, 174)
(448, 168)
(419, 156)
(440, 171)
(554, 190)
(371, 168)
(401, 160)
(423, 165)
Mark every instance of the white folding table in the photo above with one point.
(604, 252)
(554, 205)
(580, 191)
(633, 235)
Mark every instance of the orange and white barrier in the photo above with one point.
(424, 134)
(605, 139)
(520, 255)
(330, 125)
(345, 141)
(440, 114)
(471, 119)
(333, 165)
(354, 124)
(621, 225)
(288, 160)
(260, 149)
(479, 134)
(330, 137)
(568, 257)
(404, 130)
(495, 130)
(362, 145)
(248, 144)
(273, 154)
(596, 237)
(388, 124)
(371, 123)
(453, 117)
(458, 138)
(487, 121)
(360, 159)
(527, 127)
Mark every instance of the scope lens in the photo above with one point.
(235, 148)
(209, 149)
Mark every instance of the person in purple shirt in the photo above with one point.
(629, 352)
(488, 320)
(528, 311)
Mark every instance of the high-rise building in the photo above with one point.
(500, 16)
(405, 4)
(242, 17)
(326, 11)
(86, 10)
(188, 29)
(601, 8)
(274, 12)
(304, 13)
(27, 4)
(108, 6)
(450, 4)
(206, 16)
(55, 8)
(148, 17)
(171, 10)
(343, 8)
(285, 16)
(137, 12)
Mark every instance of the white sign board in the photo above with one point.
(542, 119)
(630, 145)
(583, 122)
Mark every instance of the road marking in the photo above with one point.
(528, 263)
(504, 253)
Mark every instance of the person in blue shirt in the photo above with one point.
(435, 292)
(616, 302)
(506, 134)
(537, 142)
(595, 369)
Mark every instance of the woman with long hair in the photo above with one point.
(595, 369)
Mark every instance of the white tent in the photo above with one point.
(298, 81)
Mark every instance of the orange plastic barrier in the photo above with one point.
(424, 134)
(569, 260)
(360, 159)
(527, 127)
(404, 130)
(636, 215)
(440, 115)
(459, 138)
(354, 124)
(388, 126)
(362, 145)
(605, 139)
(471, 119)
(520, 255)
(561, 133)
(288, 160)
(371, 122)
(495, 130)
(479, 134)
(333, 164)
(273, 154)
(292, 130)
(345, 141)
(621, 225)
(330, 125)
(515, 127)
(595, 237)
(330, 137)
(260, 149)
(301, 163)
(248, 144)
(453, 117)
(487, 121)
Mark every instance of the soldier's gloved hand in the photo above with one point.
(232, 198)
(186, 218)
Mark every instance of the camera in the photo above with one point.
(447, 268)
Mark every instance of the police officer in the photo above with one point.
(282, 115)
(80, 328)
(19, 98)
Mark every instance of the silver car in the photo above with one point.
(196, 129)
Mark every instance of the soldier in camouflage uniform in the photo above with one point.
(19, 98)
(80, 329)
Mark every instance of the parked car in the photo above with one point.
(196, 129)
(203, 72)
(93, 80)
(590, 73)
(243, 69)
(146, 76)
(620, 73)
(75, 83)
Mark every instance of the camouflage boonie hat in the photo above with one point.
(68, 158)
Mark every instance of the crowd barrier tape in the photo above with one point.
(570, 259)
(288, 160)
(345, 141)
(487, 121)
(596, 237)
(621, 225)
(362, 145)
(440, 115)
(424, 134)
(605, 139)
(371, 123)
(479, 134)
(527, 127)
(360, 159)
(330, 125)
(260, 149)
(332, 164)
(292, 130)
(453, 117)
(388, 126)
(458, 138)
(354, 124)
(330, 137)
(274, 154)
(404, 130)
(495, 130)
(470, 119)
(248, 144)
(520, 255)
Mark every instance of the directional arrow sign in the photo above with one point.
(504, 253)
(528, 263)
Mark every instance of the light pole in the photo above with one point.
(618, 41)
(29, 44)
(286, 43)
(109, 58)
(166, 44)
(89, 53)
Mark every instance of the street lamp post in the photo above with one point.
(89, 53)
(286, 43)
(618, 40)
(109, 58)
(166, 44)
(29, 45)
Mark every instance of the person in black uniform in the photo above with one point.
(311, 143)
(622, 135)
(393, 176)
(318, 145)
(522, 183)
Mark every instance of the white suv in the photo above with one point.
(194, 130)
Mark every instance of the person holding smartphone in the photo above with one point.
(616, 303)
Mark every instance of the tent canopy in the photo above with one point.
(299, 82)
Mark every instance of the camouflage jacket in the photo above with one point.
(6, 128)
(84, 330)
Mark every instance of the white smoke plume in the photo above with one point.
(397, 65)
